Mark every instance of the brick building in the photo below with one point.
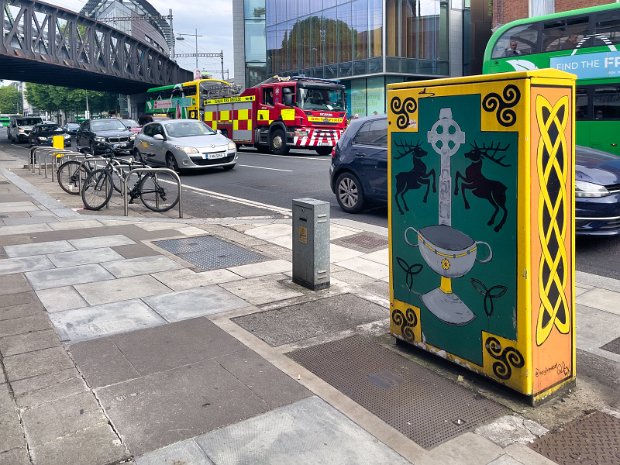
(505, 11)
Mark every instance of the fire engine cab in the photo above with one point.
(282, 113)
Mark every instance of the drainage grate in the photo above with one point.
(594, 439)
(363, 242)
(613, 346)
(210, 253)
(422, 405)
(299, 322)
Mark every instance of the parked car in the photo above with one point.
(102, 135)
(20, 127)
(43, 133)
(358, 175)
(359, 164)
(71, 128)
(132, 125)
(182, 144)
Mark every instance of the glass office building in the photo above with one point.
(366, 44)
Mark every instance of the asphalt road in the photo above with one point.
(265, 184)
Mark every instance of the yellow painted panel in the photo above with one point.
(287, 114)
(224, 115)
(242, 114)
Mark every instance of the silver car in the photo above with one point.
(184, 144)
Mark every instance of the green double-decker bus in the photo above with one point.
(585, 42)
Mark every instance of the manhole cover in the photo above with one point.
(310, 319)
(592, 440)
(210, 253)
(419, 403)
(613, 346)
(363, 242)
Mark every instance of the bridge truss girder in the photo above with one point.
(51, 45)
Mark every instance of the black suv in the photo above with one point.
(104, 135)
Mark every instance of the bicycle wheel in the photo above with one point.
(159, 191)
(69, 177)
(97, 189)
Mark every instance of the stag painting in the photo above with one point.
(415, 178)
(492, 191)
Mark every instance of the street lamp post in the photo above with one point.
(180, 37)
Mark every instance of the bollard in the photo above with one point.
(311, 243)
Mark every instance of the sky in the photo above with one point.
(212, 18)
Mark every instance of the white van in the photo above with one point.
(20, 126)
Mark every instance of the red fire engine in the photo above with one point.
(282, 113)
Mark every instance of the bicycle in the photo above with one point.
(156, 189)
(71, 173)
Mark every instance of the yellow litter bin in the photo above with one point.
(481, 202)
(58, 142)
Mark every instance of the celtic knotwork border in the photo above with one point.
(403, 109)
(407, 322)
(507, 358)
(503, 104)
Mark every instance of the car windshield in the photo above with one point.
(49, 127)
(130, 123)
(321, 98)
(188, 129)
(107, 125)
(28, 121)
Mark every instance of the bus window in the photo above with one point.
(608, 25)
(564, 34)
(189, 91)
(525, 36)
(582, 104)
(606, 102)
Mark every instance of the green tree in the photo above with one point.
(9, 99)
(53, 98)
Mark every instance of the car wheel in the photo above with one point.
(349, 193)
(324, 150)
(171, 163)
(277, 142)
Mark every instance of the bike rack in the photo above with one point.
(150, 170)
(88, 159)
(48, 152)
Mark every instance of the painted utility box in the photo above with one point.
(481, 206)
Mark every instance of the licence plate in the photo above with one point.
(215, 155)
(325, 143)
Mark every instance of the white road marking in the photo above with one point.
(265, 168)
(298, 157)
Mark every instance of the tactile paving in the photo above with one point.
(591, 440)
(363, 242)
(424, 406)
(613, 346)
(210, 253)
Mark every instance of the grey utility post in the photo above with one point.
(311, 243)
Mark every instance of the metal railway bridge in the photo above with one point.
(51, 45)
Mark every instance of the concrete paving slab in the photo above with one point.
(511, 429)
(59, 299)
(191, 231)
(24, 264)
(337, 253)
(36, 363)
(367, 267)
(595, 328)
(185, 342)
(101, 241)
(135, 251)
(505, 460)
(184, 452)
(193, 303)
(11, 433)
(309, 431)
(12, 284)
(104, 320)
(380, 256)
(602, 299)
(8, 208)
(309, 319)
(15, 457)
(44, 423)
(139, 266)
(120, 289)
(77, 224)
(102, 363)
(337, 231)
(84, 257)
(22, 343)
(262, 290)
(40, 248)
(27, 324)
(48, 387)
(24, 229)
(61, 277)
(183, 279)
(254, 270)
(466, 449)
(282, 241)
(165, 407)
(269, 231)
(93, 446)
(527, 456)
(21, 298)
(20, 311)
(7, 404)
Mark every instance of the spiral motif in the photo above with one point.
(507, 358)
(407, 322)
(552, 165)
(404, 110)
(502, 104)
